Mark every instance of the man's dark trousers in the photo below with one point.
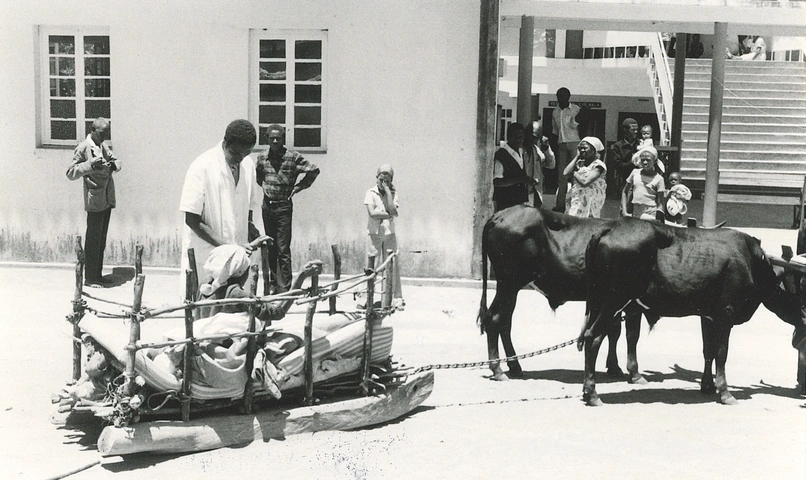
(95, 243)
(277, 222)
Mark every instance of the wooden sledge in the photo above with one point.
(277, 423)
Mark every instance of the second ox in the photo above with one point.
(721, 275)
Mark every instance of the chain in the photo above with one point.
(445, 366)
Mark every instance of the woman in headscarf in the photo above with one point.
(587, 174)
(644, 188)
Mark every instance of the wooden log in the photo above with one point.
(194, 272)
(251, 346)
(308, 345)
(336, 276)
(278, 423)
(389, 281)
(187, 355)
(138, 260)
(134, 334)
(366, 353)
(78, 308)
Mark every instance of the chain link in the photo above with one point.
(445, 366)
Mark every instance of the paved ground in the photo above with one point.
(470, 427)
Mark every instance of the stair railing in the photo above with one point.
(662, 90)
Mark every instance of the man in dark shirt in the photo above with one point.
(619, 157)
(277, 171)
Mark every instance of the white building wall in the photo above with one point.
(401, 90)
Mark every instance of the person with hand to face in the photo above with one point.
(219, 196)
(587, 172)
(382, 209)
(94, 162)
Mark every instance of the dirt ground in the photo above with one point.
(470, 427)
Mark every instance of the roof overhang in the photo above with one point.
(784, 18)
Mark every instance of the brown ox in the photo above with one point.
(525, 244)
(721, 275)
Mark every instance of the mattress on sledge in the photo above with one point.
(339, 337)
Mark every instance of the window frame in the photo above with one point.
(45, 136)
(290, 37)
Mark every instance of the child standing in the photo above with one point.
(382, 205)
(646, 186)
(676, 198)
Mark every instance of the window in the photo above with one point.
(287, 86)
(74, 76)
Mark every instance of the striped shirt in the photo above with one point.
(278, 173)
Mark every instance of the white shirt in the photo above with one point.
(377, 226)
(210, 192)
(564, 124)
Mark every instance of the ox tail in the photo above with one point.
(483, 317)
(590, 263)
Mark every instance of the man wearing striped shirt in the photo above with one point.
(277, 171)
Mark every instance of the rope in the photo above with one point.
(97, 312)
(445, 366)
(105, 301)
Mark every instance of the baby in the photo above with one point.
(676, 198)
(646, 142)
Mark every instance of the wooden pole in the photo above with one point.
(714, 124)
(251, 345)
(187, 371)
(264, 263)
(336, 276)
(486, 100)
(525, 63)
(138, 260)
(677, 99)
(134, 334)
(309, 342)
(78, 308)
(388, 281)
(194, 272)
(366, 354)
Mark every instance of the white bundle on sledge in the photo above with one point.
(338, 338)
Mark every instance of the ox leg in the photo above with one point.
(707, 386)
(633, 324)
(613, 370)
(515, 369)
(722, 338)
(500, 325)
(589, 395)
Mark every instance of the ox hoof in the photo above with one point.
(592, 400)
(515, 371)
(707, 389)
(638, 380)
(500, 377)
(615, 372)
(727, 399)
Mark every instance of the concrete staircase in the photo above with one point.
(763, 142)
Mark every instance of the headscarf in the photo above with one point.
(386, 168)
(595, 143)
(224, 262)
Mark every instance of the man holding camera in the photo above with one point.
(94, 161)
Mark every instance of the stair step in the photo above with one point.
(699, 153)
(749, 137)
(734, 65)
(745, 128)
(757, 146)
(748, 165)
(773, 84)
(797, 101)
(785, 116)
(734, 78)
(754, 178)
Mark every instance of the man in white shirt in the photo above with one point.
(564, 121)
(219, 195)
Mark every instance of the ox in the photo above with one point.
(721, 275)
(525, 245)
